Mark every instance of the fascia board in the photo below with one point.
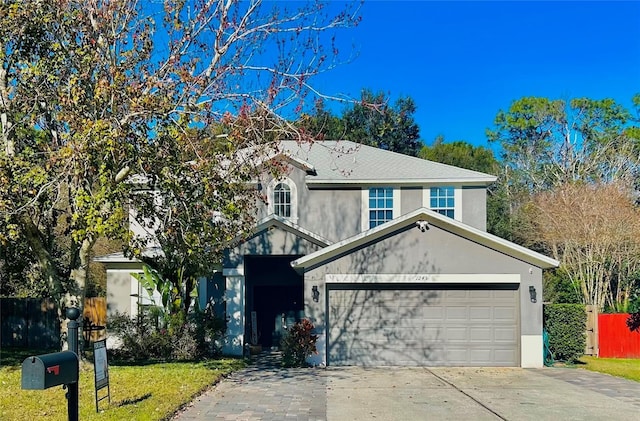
(300, 163)
(401, 182)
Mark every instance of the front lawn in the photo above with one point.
(138, 392)
(619, 367)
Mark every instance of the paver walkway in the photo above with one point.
(264, 391)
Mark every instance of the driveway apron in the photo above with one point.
(265, 391)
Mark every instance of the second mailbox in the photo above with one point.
(48, 370)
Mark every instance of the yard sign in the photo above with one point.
(101, 369)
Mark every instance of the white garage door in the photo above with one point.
(443, 327)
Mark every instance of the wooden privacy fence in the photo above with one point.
(29, 323)
(615, 340)
(94, 317)
(33, 322)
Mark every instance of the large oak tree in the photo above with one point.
(95, 91)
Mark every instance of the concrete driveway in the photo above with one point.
(478, 394)
(266, 392)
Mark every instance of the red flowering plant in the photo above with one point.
(298, 344)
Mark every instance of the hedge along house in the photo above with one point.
(386, 254)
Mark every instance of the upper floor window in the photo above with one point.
(442, 200)
(283, 199)
(380, 205)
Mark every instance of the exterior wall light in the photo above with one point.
(533, 294)
(315, 293)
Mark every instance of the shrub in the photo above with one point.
(298, 344)
(559, 289)
(566, 325)
(141, 337)
(153, 335)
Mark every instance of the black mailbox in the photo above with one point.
(48, 370)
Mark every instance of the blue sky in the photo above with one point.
(463, 61)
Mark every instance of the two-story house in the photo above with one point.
(386, 254)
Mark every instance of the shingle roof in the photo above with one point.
(346, 162)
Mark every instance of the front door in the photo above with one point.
(276, 307)
(275, 292)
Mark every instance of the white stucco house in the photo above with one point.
(386, 254)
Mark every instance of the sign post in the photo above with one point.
(101, 370)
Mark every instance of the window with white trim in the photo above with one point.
(380, 205)
(283, 198)
(442, 200)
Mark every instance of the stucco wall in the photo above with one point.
(271, 242)
(410, 199)
(335, 212)
(474, 207)
(119, 290)
(331, 213)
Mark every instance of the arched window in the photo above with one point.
(282, 200)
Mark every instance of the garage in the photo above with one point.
(423, 325)
(449, 295)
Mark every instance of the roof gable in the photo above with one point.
(419, 218)
(274, 221)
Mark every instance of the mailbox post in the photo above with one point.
(72, 339)
(59, 368)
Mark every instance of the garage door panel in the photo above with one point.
(433, 313)
(484, 334)
(504, 313)
(432, 334)
(457, 356)
(456, 334)
(457, 313)
(505, 334)
(423, 327)
(505, 356)
(483, 356)
(482, 314)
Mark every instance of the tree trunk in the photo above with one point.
(66, 293)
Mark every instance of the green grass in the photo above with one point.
(619, 367)
(138, 392)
